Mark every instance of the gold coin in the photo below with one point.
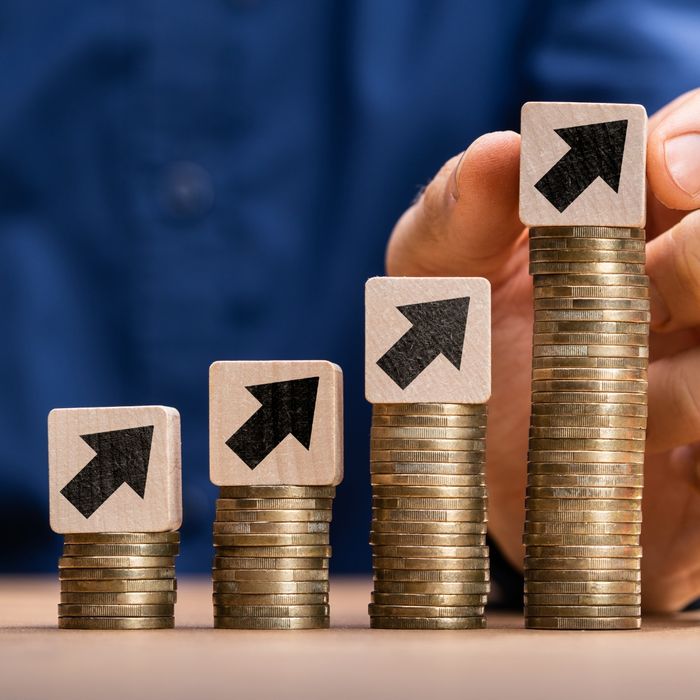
(589, 403)
(117, 586)
(475, 423)
(585, 504)
(602, 528)
(122, 538)
(418, 503)
(390, 444)
(437, 516)
(586, 469)
(429, 528)
(285, 516)
(617, 302)
(585, 516)
(590, 244)
(591, 315)
(599, 278)
(570, 599)
(116, 623)
(427, 623)
(583, 575)
(548, 289)
(588, 422)
(561, 256)
(430, 552)
(405, 540)
(542, 269)
(583, 611)
(591, 363)
(440, 492)
(151, 598)
(433, 563)
(429, 409)
(586, 232)
(270, 599)
(376, 610)
(270, 540)
(592, 385)
(295, 504)
(606, 551)
(271, 610)
(120, 550)
(589, 444)
(580, 540)
(453, 457)
(432, 575)
(598, 492)
(590, 351)
(270, 576)
(91, 562)
(429, 588)
(583, 623)
(270, 587)
(271, 528)
(585, 456)
(435, 599)
(286, 551)
(86, 610)
(415, 433)
(119, 573)
(589, 374)
(578, 433)
(590, 338)
(583, 587)
(428, 468)
(449, 481)
(265, 492)
(272, 623)
(580, 562)
(222, 562)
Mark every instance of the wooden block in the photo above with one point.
(276, 423)
(115, 469)
(583, 164)
(427, 339)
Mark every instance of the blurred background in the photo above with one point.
(183, 182)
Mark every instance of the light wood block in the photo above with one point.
(583, 164)
(276, 423)
(115, 469)
(427, 339)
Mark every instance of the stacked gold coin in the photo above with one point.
(589, 408)
(118, 580)
(271, 563)
(430, 559)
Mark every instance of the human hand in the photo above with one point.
(465, 223)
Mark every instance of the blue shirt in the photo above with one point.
(183, 182)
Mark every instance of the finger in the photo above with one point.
(673, 265)
(673, 154)
(674, 401)
(466, 220)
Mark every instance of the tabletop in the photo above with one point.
(37, 660)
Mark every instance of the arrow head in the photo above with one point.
(597, 150)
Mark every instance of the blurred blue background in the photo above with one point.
(182, 182)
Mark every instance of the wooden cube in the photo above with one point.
(428, 339)
(115, 469)
(583, 164)
(276, 423)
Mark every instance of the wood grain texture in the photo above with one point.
(95, 458)
(554, 167)
(427, 339)
(276, 423)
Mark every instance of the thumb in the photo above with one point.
(466, 220)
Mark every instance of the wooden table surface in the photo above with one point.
(197, 662)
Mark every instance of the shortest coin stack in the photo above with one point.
(118, 580)
(272, 551)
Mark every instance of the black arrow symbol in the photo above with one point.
(121, 457)
(287, 408)
(596, 151)
(438, 329)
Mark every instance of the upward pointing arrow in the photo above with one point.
(438, 329)
(287, 408)
(121, 457)
(596, 152)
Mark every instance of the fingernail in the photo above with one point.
(683, 161)
(659, 311)
(454, 178)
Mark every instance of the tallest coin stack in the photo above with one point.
(589, 408)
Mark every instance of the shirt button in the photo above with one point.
(187, 190)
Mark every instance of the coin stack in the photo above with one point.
(430, 559)
(118, 581)
(589, 408)
(271, 564)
